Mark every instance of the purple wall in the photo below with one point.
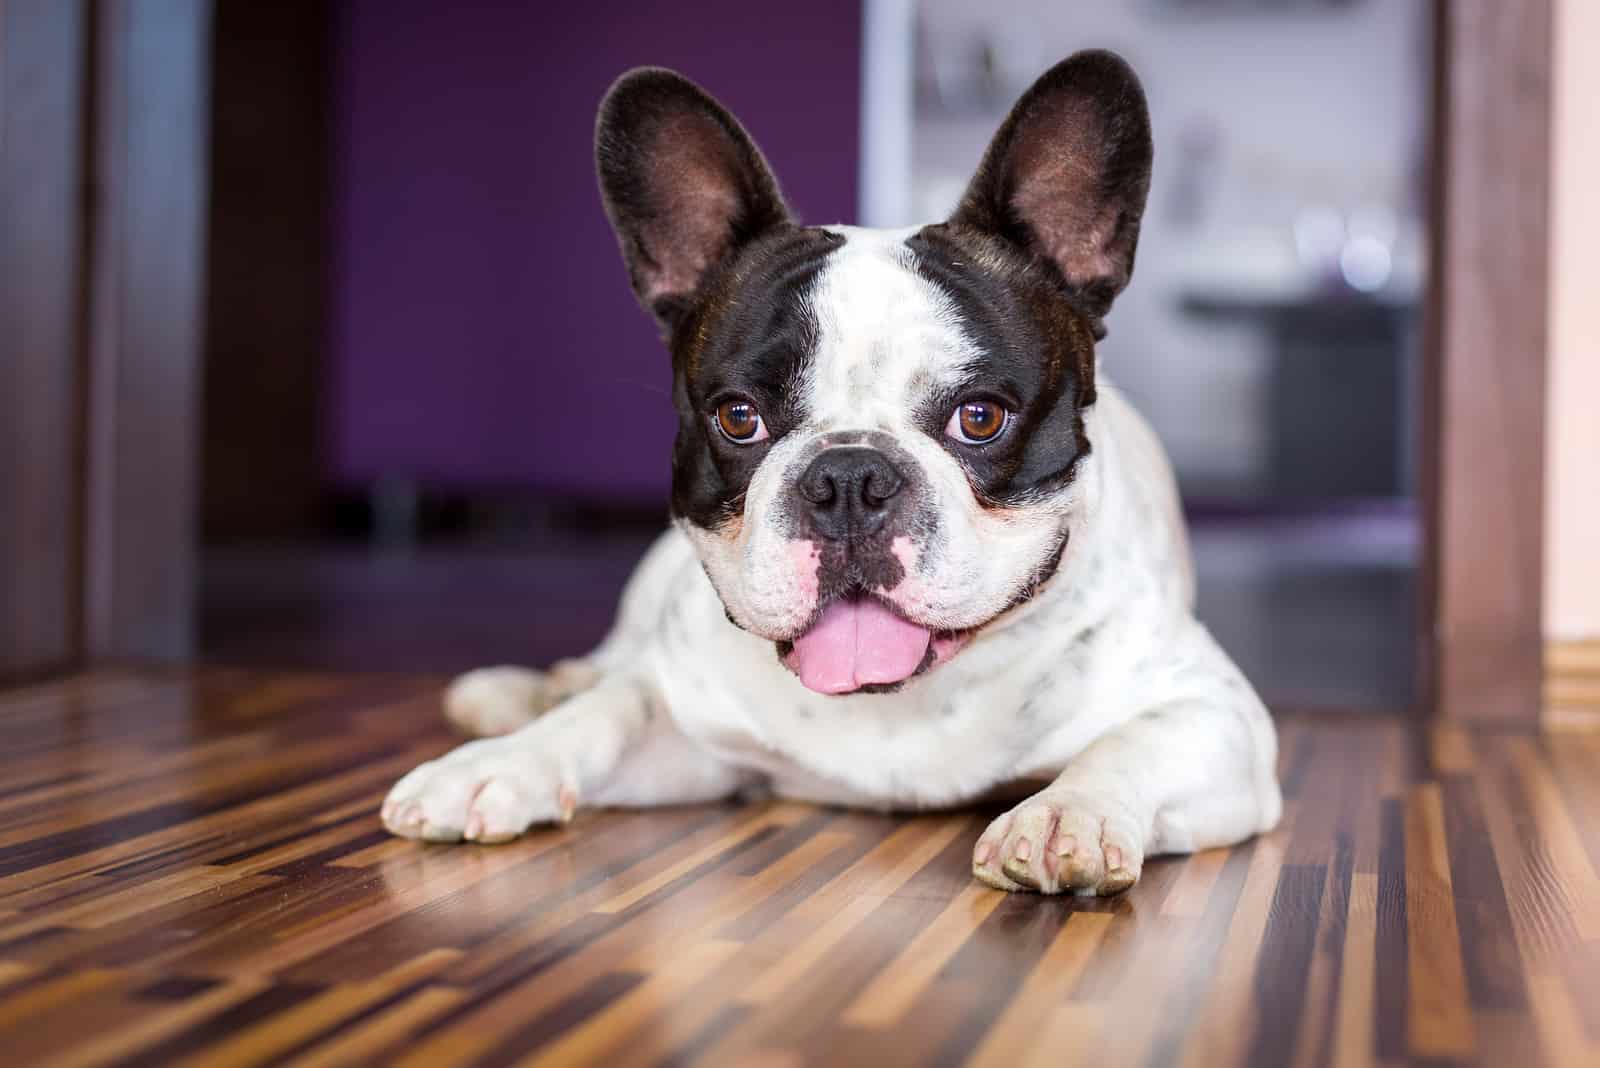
(482, 330)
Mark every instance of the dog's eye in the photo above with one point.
(977, 422)
(740, 422)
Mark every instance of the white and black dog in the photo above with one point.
(919, 551)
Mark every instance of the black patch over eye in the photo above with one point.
(740, 422)
(1038, 366)
(977, 422)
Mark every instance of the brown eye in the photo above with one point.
(976, 422)
(739, 421)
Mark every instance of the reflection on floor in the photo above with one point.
(1318, 614)
(192, 872)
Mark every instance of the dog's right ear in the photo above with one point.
(683, 184)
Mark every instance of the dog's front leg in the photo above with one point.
(1191, 773)
(613, 744)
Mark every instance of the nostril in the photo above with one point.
(849, 491)
(819, 489)
(878, 486)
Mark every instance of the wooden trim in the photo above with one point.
(151, 160)
(1572, 684)
(1483, 408)
(43, 45)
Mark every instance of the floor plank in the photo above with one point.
(191, 872)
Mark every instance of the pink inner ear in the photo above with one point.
(1057, 176)
(695, 198)
(684, 250)
(1079, 246)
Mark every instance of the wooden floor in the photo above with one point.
(192, 872)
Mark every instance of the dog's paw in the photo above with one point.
(498, 700)
(482, 792)
(1061, 844)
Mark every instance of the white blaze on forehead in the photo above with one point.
(885, 334)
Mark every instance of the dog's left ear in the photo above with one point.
(683, 184)
(1065, 178)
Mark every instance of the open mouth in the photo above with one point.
(859, 643)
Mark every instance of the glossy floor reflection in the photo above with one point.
(192, 872)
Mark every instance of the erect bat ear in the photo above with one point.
(683, 184)
(1066, 176)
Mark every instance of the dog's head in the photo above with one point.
(879, 431)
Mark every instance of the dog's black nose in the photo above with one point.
(850, 492)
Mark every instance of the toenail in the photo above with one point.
(1113, 857)
(982, 854)
(1024, 849)
(1067, 845)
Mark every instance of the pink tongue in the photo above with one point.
(857, 643)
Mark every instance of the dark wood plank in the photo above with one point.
(43, 47)
(151, 135)
(1483, 394)
(196, 874)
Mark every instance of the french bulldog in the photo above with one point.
(920, 550)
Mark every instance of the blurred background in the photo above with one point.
(436, 426)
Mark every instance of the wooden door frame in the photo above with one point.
(1480, 630)
(104, 128)
(147, 221)
(43, 86)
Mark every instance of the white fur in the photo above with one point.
(1102, 681)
